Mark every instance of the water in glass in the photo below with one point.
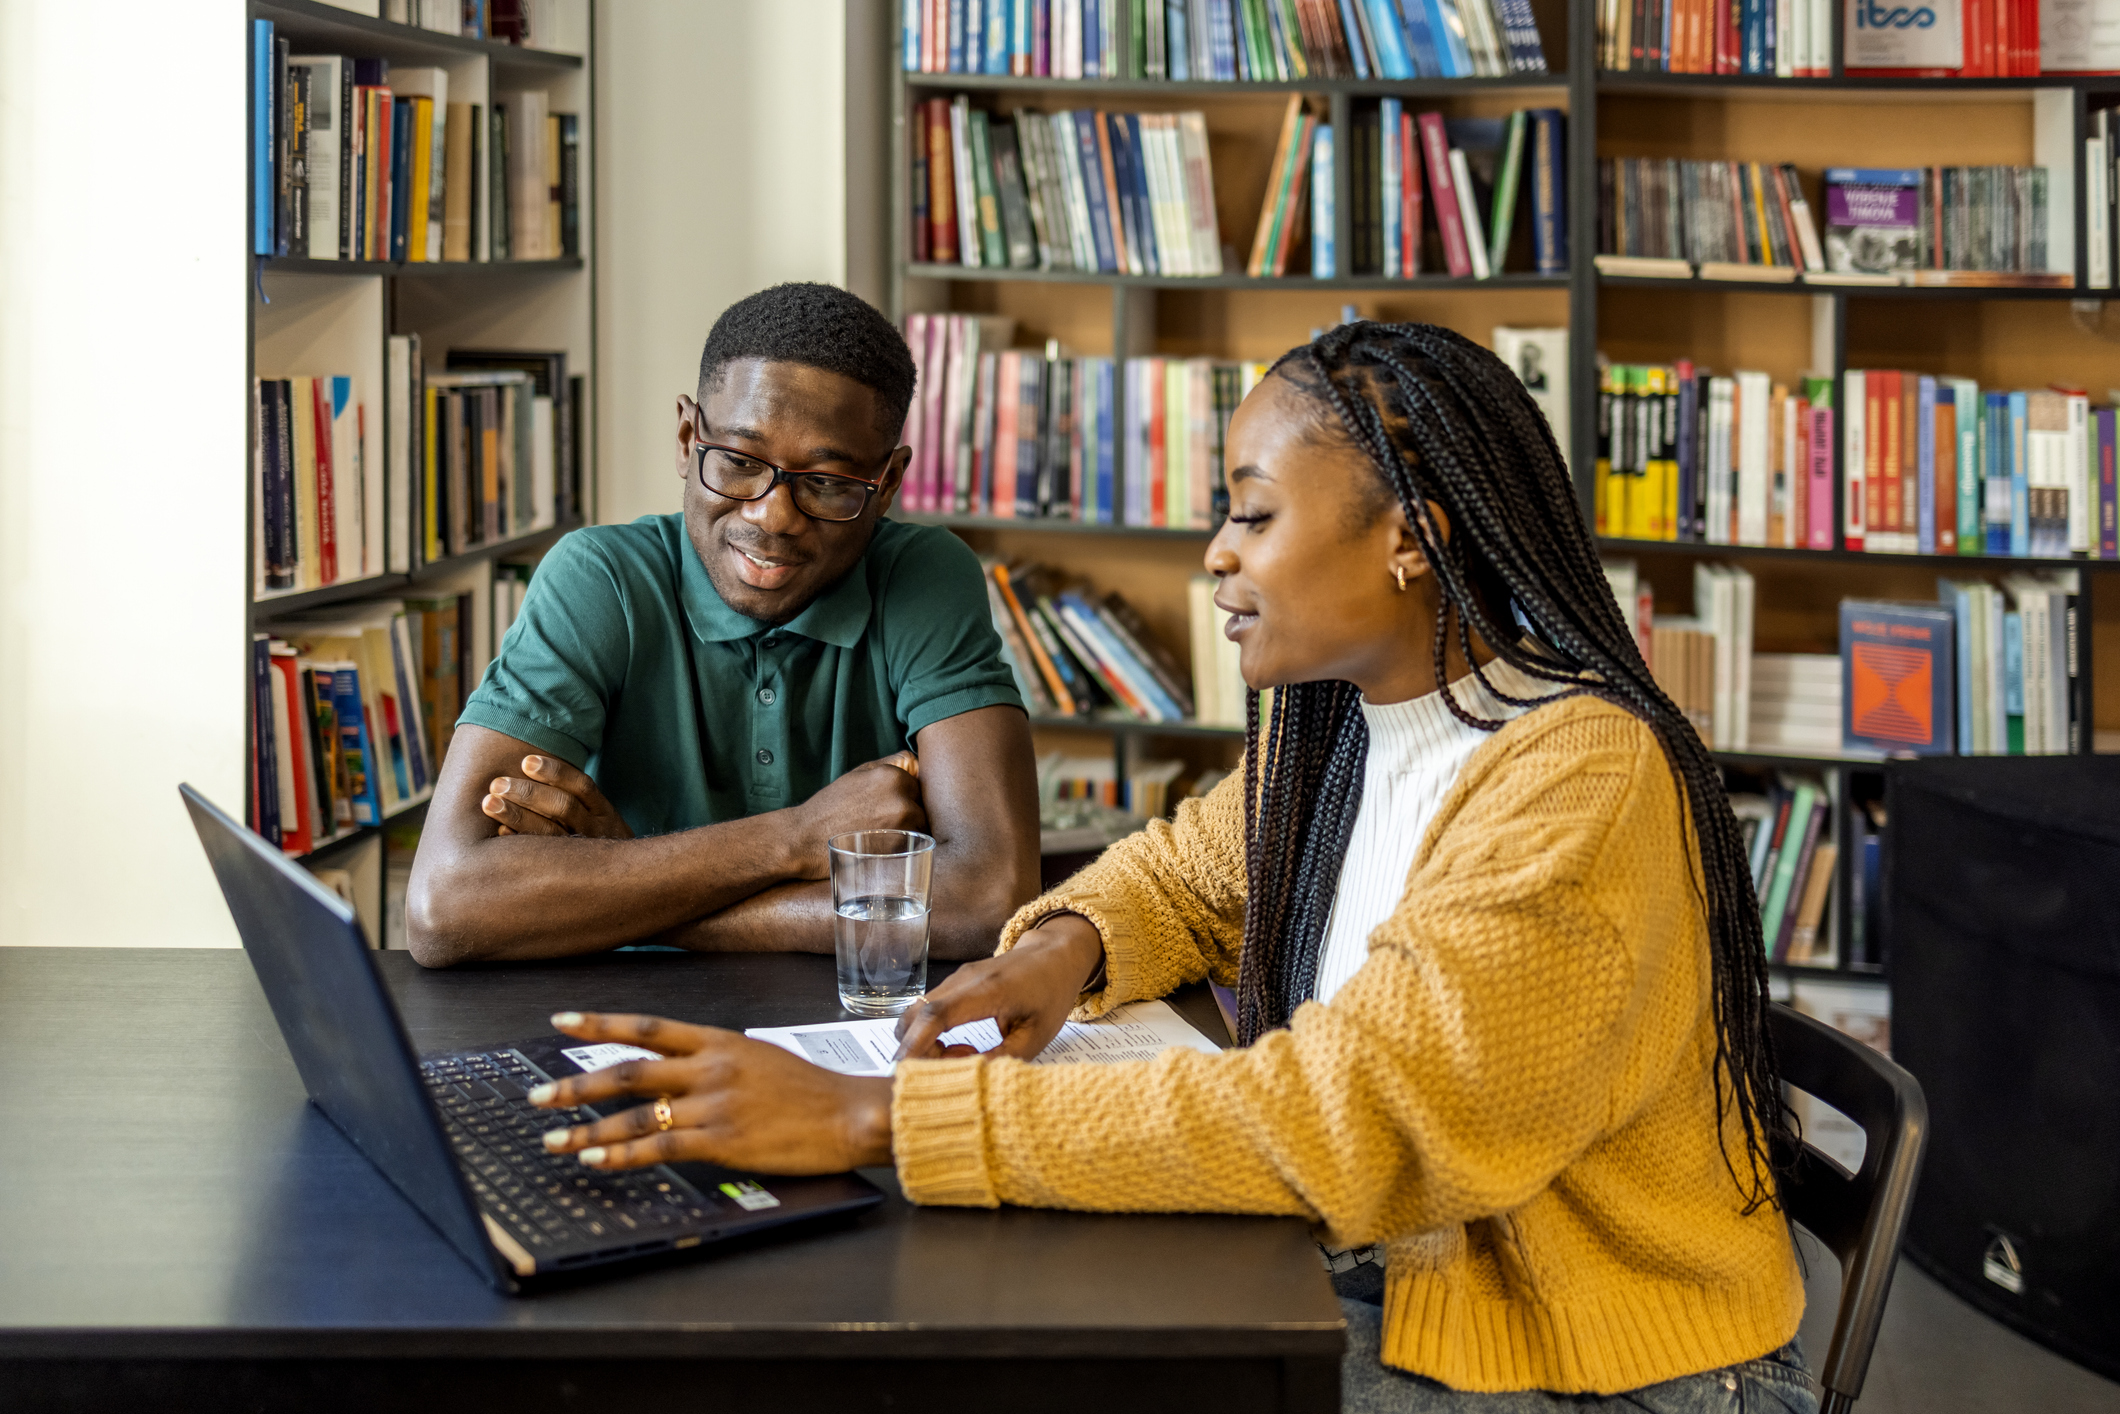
(882, 945)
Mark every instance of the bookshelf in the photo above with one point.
(311, 316)
(2002, 337)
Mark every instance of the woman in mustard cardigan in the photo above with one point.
(1501, 993)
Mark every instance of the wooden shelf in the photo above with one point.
(267, 607)
(1889, 292)
(1973, 563)
(1744, 85)
(302, 265)
(313, 22)
(1134, 726)
(1046, 523)
(1549, 83)
(1512, 281)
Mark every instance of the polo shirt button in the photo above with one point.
(765, 757)
(765, 695)
(772, 643)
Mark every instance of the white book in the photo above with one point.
(1067, 152)
(1721, 393)
(1185, 244)
(967, 192)
(544, 481)
(1799, 36)
(1785, 39)
(528, 191)
(1754, 473)
(1539, 358)
(1714, 599)
(1166, 196)
(2077, 473)
(356, 488)
(326, 132)
(2098, 214)
(1854, 447)
(1200, 193)
(1744, 595)
(1468, 206)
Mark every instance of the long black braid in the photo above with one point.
(1443, 420)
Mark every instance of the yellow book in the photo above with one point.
(1652, 424)
(430, 461)
(422, 182)
(307, 546)
(1177, 446)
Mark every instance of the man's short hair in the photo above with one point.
(819, 326)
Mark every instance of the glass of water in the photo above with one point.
(880, 924)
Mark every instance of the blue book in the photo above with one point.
(909, 34)
(1092, 169)
(1351, 24)
(1925, 464)
(1449, 30)
(2020, 480)
(1423, 45)
(1222, 36)
(1994, 473)
(994, 56)
(263, 182)
(356, 746)
(1961, 602)
(974, 36)
(1753, 18)
(1177, 44)
(1019, 36)
(1392, 55)
(1101, 369)
(955, 61)
(1394, 182)
(1898, 680)
(1092, 39)
(1132, 177)
(1549, 199)
(2013, 681)
(1030, 428)
(1116, 660)
(1324, 254)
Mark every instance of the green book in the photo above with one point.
(993, 246)
(1965, 395)
(1505, 185)
(1776, 898)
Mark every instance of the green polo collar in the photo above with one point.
(839, 616)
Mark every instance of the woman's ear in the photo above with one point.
(1408, 561)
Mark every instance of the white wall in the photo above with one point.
(720, 170)
(122, 445)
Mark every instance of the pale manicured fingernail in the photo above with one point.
(564, 1019)
(542, 1095)
(592, 1157)
(556, 1139)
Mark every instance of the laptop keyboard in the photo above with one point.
(549, 1201)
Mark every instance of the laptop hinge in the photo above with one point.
(524, 1264)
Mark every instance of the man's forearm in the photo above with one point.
(529, 896)
(788, 917)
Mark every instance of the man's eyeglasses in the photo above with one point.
(820, 495)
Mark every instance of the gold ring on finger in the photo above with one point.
(663, 1118)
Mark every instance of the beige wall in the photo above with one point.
(720, 170)
(122, 406)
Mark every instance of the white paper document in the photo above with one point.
(1136, 1031)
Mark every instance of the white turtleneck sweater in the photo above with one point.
(1416, 750)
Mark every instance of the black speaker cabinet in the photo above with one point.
(2002, 886)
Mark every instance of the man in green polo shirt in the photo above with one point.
(689, 706)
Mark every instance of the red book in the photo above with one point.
(327, 502)
(1435, 149)
(1409, 198)
(295, 835)
(942, 185)
(1158, 465)
(1008, 381)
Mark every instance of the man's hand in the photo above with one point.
(730, 1100)
(1028, 991)
(880, 795)
(552, 798)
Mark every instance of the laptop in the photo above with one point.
(454, 1133)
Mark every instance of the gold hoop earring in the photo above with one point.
(1399, 571)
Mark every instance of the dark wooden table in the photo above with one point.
(180, 1229)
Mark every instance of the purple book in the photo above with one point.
(1873, 219)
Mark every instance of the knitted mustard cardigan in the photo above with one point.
(1514, 1093)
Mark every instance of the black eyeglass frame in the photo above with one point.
(782, 476)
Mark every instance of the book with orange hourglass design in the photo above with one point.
(1897, 677)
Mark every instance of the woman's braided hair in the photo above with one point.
(1443, 420)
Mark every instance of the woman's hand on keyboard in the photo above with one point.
(732, 1101)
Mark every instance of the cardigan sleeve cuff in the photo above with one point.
(938, 1133)
(1122, 954)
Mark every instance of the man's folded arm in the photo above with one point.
(478, 895)
(978, 783)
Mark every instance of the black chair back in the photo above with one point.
(1862, 1218)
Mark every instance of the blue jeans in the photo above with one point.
(1779, 1383)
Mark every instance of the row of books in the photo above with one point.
(1988, 670)
(1024, 434)
(1120, 193)
(352, 717)
(1686, 455)
(1782, 38)
(1702, 660)
(1251, 40)
(484, 452)
(356, 160)
(1481, 174)
(1941, 466)
(1966, 226)
(1075, 653)
(515, 21)
(1147, 791)
(1788, 831)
